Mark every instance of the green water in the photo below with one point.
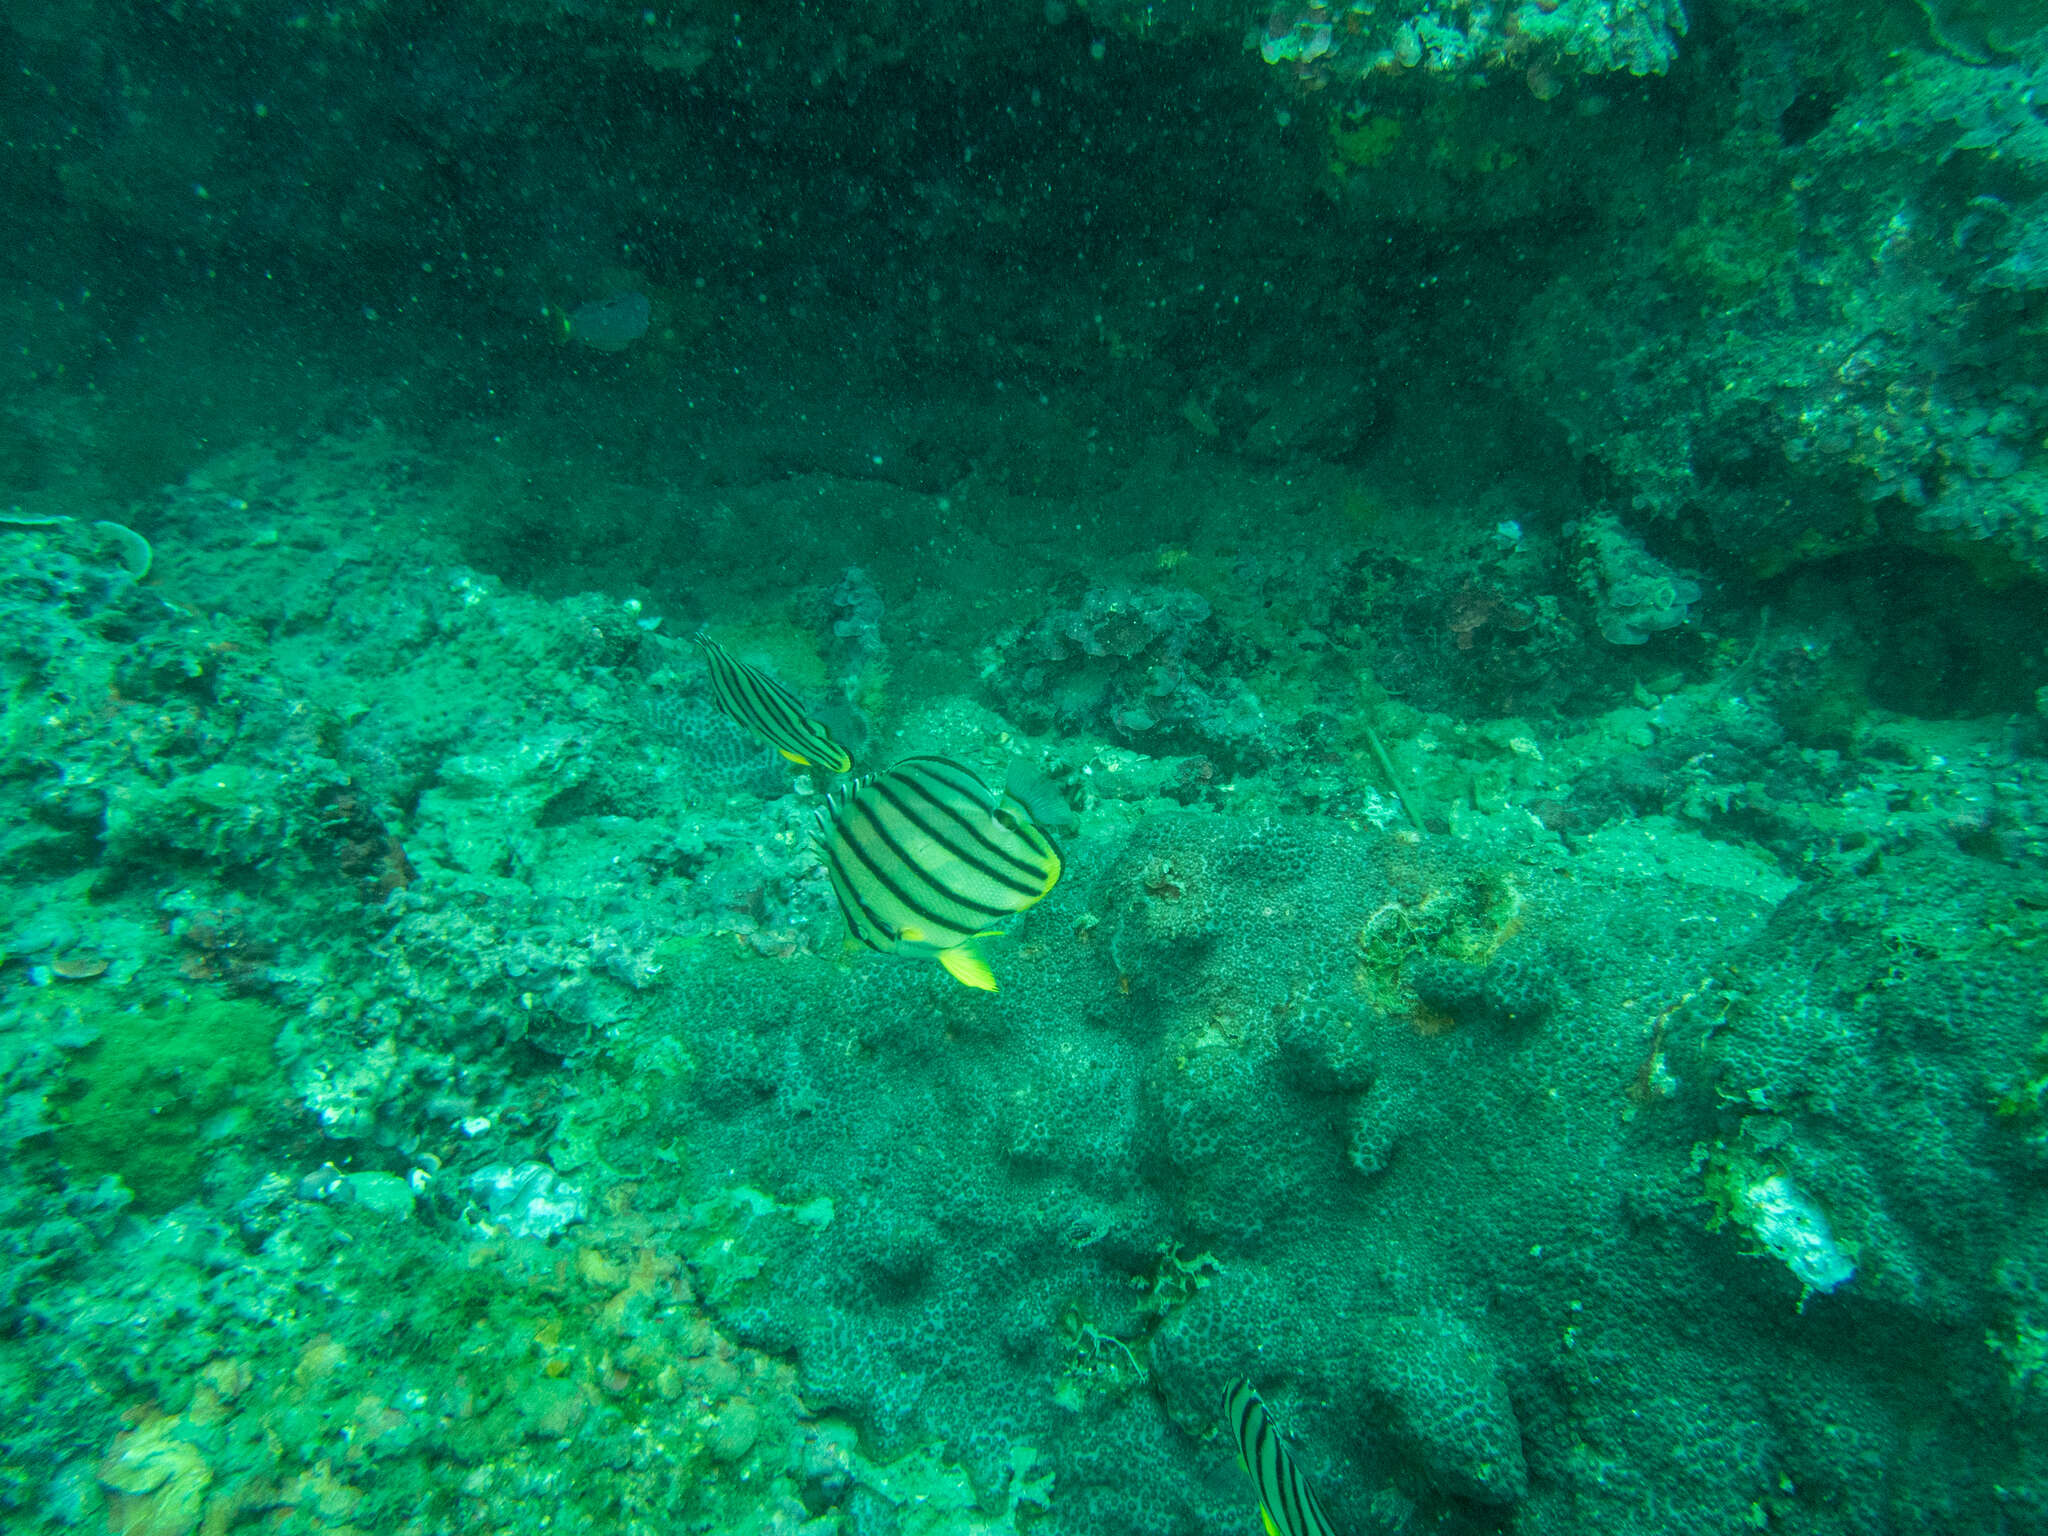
(1513, 537)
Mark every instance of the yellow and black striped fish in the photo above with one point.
(924, 857)
(1286, 1502)
(770, 710)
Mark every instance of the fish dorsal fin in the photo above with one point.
(839, 798)
(967, 967)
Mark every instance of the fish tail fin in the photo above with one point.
(840, 761)
(967, 967)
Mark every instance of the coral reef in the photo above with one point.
(1327, 45)
(156, 1095)
(1634, 594)
(523, 1011)
(1447, 1399)
(1144, 665)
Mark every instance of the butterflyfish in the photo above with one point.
(1286, 1502)
(925, 858)
(770, 710)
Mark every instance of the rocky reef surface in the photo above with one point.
(438, 1087)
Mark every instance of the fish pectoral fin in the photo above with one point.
(967, 967)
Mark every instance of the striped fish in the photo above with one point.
(770, 710)
(924, 857)
(1286, 1502)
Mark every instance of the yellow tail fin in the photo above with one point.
(968, 968)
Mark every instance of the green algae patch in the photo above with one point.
(160, 1087)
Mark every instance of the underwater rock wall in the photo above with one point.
(1841, 348)
(1786, 298)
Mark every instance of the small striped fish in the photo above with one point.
(770, 710)
(924, 857)
(1286, 1502)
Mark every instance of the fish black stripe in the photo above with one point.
(1283, 1490)
(913, 781)
(859, 849)
(1272, 1471)
(967, 785)
(729, 679)
(827, 840)
(964, 855)
(1242, 1404)
(1275, 1485)
(1040, 854)
(758, 701)
(1297, 1501)
(769, 698)
(723, 664)
(767, 708)
(983, 800)
(1313, 1520)
(851, 899)
(852, 905)
(1041, 843)
(1242, 1408)
(912, 866)
(1287, 1486)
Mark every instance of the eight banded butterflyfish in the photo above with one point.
(770, 710)
(924, 858)
(1286, 1502)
